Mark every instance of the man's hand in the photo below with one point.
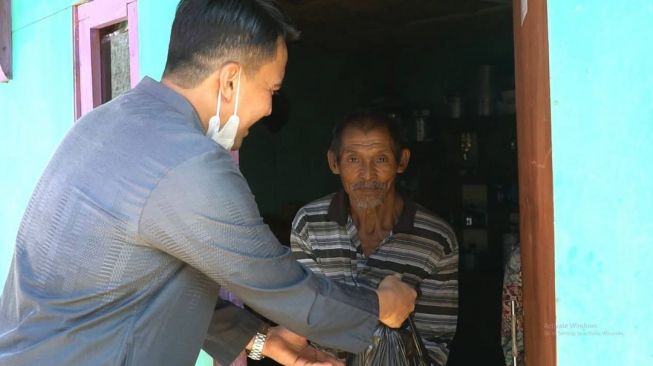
(396, 301)
(290, 349)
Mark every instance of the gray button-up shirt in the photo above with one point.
(134, 225)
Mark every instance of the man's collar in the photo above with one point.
(171, 98)
(339, 212)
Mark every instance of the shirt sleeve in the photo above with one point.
(300, 245)
(436, 311)
(203, 213)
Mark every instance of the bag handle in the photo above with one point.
(419, 345)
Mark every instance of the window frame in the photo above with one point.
(89, 19)
(5, 41)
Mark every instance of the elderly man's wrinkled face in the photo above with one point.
(367, 165)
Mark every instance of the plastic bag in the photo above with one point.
(393, 347)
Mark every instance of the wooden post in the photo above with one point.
(535, 179)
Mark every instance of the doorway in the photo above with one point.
(447, 70)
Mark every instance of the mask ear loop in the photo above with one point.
(217, 113)
(219, 105)
(220, 101)
(237, 93)
(214, 122)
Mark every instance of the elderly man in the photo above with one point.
(141, 216)
(365, 232)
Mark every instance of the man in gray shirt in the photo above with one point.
(139, 218)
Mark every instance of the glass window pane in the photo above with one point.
(114, 52)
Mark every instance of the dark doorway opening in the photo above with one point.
(446, 70)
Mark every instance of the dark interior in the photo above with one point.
(444, 68)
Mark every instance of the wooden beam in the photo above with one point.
(5, 40)
(535, 179)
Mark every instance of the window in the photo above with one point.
(106, 51)
(5, 40)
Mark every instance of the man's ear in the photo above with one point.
(333, 162)
(228, 79)
(403, 160)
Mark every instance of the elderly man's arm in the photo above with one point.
(436, 311)
(301, 247)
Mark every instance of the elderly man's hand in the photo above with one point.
(396, 301)
(288, 348)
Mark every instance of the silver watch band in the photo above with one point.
(256, 353)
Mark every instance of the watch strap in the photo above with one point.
(256, 353)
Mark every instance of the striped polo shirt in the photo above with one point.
(421, 247)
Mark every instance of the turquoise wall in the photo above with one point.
(36, 107)
(154, 23)
(601, 59)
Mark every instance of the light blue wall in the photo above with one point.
(25, 13)
(601, 57)
(36, 107)
(154, 23)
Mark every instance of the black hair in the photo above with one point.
(208, 33)
(367, 120)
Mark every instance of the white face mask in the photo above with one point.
(227, 135)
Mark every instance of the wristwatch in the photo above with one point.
(256, 353)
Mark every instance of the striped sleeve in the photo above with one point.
(436, 311)
(301, 247)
